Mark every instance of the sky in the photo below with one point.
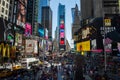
(68, 5)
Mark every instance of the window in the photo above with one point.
(2, 16)
(6, 5)
(6, 12)
(2, 9)
(3, 3)
(6, 18)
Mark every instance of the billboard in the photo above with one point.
(93, 44)
(62, 26)
(62, 34)
(35, 47)
(46, 33)
(29, 45)
(18, 39)
(62, 30)
(83, 46)
(6, 30)
(21, 13)
(41, 31)
(28, 29)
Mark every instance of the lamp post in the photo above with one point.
(105, 55)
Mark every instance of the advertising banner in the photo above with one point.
(35, 47)
(28, 29)
(46, 33)
(41, 31)
(83, 46)
(21, 13)
(108, 45)
(6, 30)
(18, 39)
(93, 44)
(29, 46)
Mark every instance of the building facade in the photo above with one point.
(4, 9)
(61, 25)
(42, 3)
(47, 20)
(76, 20)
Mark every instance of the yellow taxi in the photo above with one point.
(5, 73)
(17, 67)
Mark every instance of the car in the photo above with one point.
(17, 67)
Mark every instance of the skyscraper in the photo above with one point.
(95, 8)
(42, 3)
(47, 20)
(4, 9)
(86, 8)
(32, 15)
(61, 25)
(76, 20)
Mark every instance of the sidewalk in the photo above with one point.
(87, 77)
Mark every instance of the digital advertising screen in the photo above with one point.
(62, 26)
(62, 30)
(62, 34)
(28, 29)
(41, 31)
(21, 12)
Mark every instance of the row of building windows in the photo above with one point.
(3, 3)
(4, 11)
(5, 17)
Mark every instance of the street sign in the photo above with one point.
(107, 22)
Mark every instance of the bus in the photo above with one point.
(27, 63)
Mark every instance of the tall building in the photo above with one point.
(61, 25)
(76, 20)
(32, 15)
(86, 8)
(95, 8)
(4, 9)
(47, 20)
(56, 39)
(11, 8)
(30, 11)
(111, 7)
(42, 3)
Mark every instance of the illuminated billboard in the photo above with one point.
(46, 33)
(61, 30)
(83, 46)
(21, 12)
(62, 26)
(41, 31)
(62, 34)
(62, 41)
(28, 29)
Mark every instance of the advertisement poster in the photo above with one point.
(93, 44)
(29, 46)
(18, 38)
(108, 45)
(46, 34)
(83, 46)
(28, 29)
(41, 31)
(21, 13)
(35, 47)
